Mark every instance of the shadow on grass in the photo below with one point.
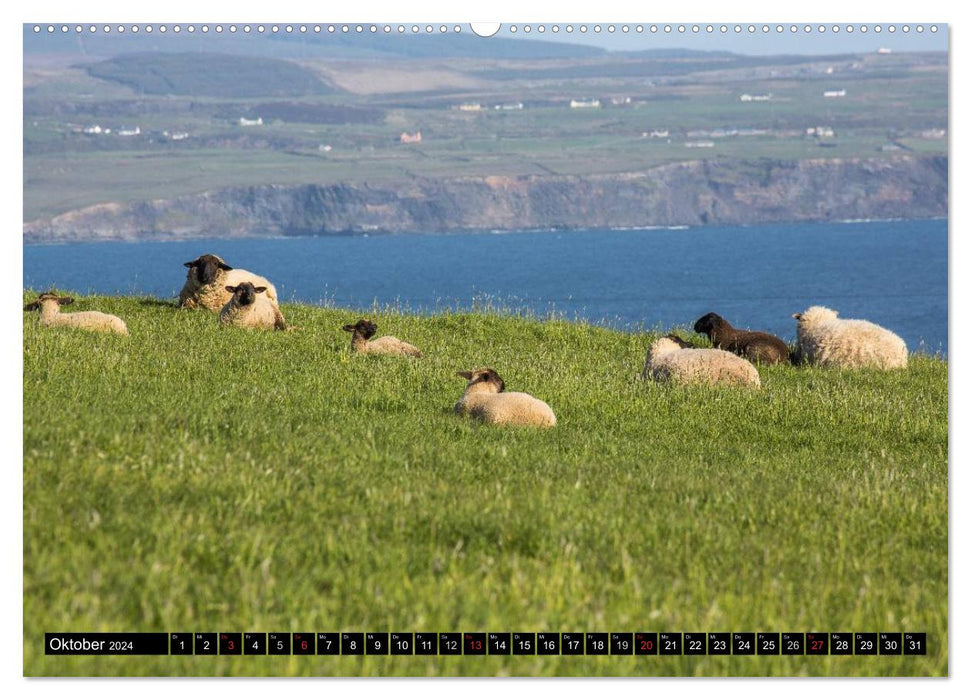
(149, 301)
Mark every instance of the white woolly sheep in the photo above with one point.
(50, 315)
(828, 341)
(362, 340)
(486, 398)
(671, 359)
(207, 279)
(248, 307)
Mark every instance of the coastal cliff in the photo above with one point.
(685, 193)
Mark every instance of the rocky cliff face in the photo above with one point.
(688, 193)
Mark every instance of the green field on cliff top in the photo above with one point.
(347, 129)
(191, 477)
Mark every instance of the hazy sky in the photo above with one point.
(814, 42)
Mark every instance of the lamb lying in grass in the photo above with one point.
(671, 359)
(50, 315)
(208, 278)
(363, 340)
(248, 307)
(485, 398)
(828, 341)
(752, 345)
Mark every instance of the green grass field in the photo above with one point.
(196, 478)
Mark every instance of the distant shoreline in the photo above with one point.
(682, 194)
(469, 232)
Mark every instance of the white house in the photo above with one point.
(820, 131)
(585, 103)
(835, 93)
(243, 121)
(125, 131)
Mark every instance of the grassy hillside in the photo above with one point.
(196, 478)
(208, 74)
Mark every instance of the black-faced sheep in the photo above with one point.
(207, 279)
(828, 341)
(363, 341)
(50, 315)
(486, 399)
(669, 361)
(248, 307)
(756, 346)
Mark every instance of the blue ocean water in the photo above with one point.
(894, 273)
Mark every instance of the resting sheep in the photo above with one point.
(485, 398)
(248, 307)
(207, 279)
(752, 345)
(669, 360)
(361, 341)
(50, 315)
(828, 341)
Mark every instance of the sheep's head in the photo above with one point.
(206, 268)
(245, 294)
(661, 347)
(681, 343)
(484, 379)
(708, 323)
(364, 327)
(815, 314)
(48, 297)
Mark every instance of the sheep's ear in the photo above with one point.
(349, 328)
(64, 301)
(191, 263)
(465, 375)
(797, 316)
(224, 266)
(259, 290)
(32, 305)
(230, 289)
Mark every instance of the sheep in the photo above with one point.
(207, 279)
(486, 399)
(667, 360)
(828, 341)
(752, 345)
(361, 341)
(248, 307)
(50, 315)
(680, 343)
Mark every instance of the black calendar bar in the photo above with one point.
(105, 643)
(485, 644)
